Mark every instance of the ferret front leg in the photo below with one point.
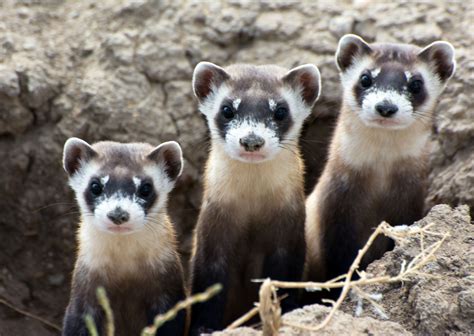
(286, 261)
(74, 322)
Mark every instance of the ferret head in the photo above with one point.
(393, 85)
(121, 188)
(253, 112)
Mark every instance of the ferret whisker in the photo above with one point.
(288, 149)
(54, 204)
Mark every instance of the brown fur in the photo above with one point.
(141, 272)
(374, 174)
(348, 202)
(136, 294)
(249, 212)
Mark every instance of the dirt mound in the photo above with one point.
(312, 315)
(444, 303)
(122, 71)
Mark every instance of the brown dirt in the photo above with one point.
(121, 71)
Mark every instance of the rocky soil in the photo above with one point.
(121, 70)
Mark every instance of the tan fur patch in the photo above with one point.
(360, 146)
(122, 255)
(254, 187)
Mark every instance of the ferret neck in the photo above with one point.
(126, 253)
(287, 159)
(360, 146)
(234, 182)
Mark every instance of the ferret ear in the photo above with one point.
(206, 78)
(76, 152)
(440, 54)
(350, 47)
(305, 79)
(170, 155)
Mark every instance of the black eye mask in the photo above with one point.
(145, 195)
(256, 110)
(391, 77)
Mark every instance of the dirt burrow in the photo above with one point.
(122, 71)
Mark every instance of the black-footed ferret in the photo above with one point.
(377, 164)
(126, 240)
(251, 223)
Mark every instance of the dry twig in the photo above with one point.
(30, 315)
(90, 325)
(171, 314)
(269, 309)
(159, 319)
(105, 304)
(407, 272)
(244, 318)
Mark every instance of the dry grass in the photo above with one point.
(30, 315)
(269, 308)
(159, 319)
(185, 304)
(109, 316)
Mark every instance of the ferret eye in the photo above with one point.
(96, 188)
(145, 190)
(281, 113)
(365, 81)
(415, 86)
(227, 112)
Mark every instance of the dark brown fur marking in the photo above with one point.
(134, 299)
(271, 245)
(357, 191)
(352, 209)
(353, 206)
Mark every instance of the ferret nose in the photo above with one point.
(252, 142)
(386, 109)
(118, 216)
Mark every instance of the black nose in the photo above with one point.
(252, 142)
(386, 109)
(118, 216)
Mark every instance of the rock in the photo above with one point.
(14, 117)
(365, 27)
(160, 57)
(281, 25)
(449, 183)
(37, 86)
(230, 25)
(56, 279)
(9, 84)
(426, 305)
(421, 34)
(405, 16)
(341, 25)
(466, 303)
(268, 22)
(318, 42)
(7, 43)
(119, 47)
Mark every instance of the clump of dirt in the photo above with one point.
(444, 302)
(122, 71)
(343, 324)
